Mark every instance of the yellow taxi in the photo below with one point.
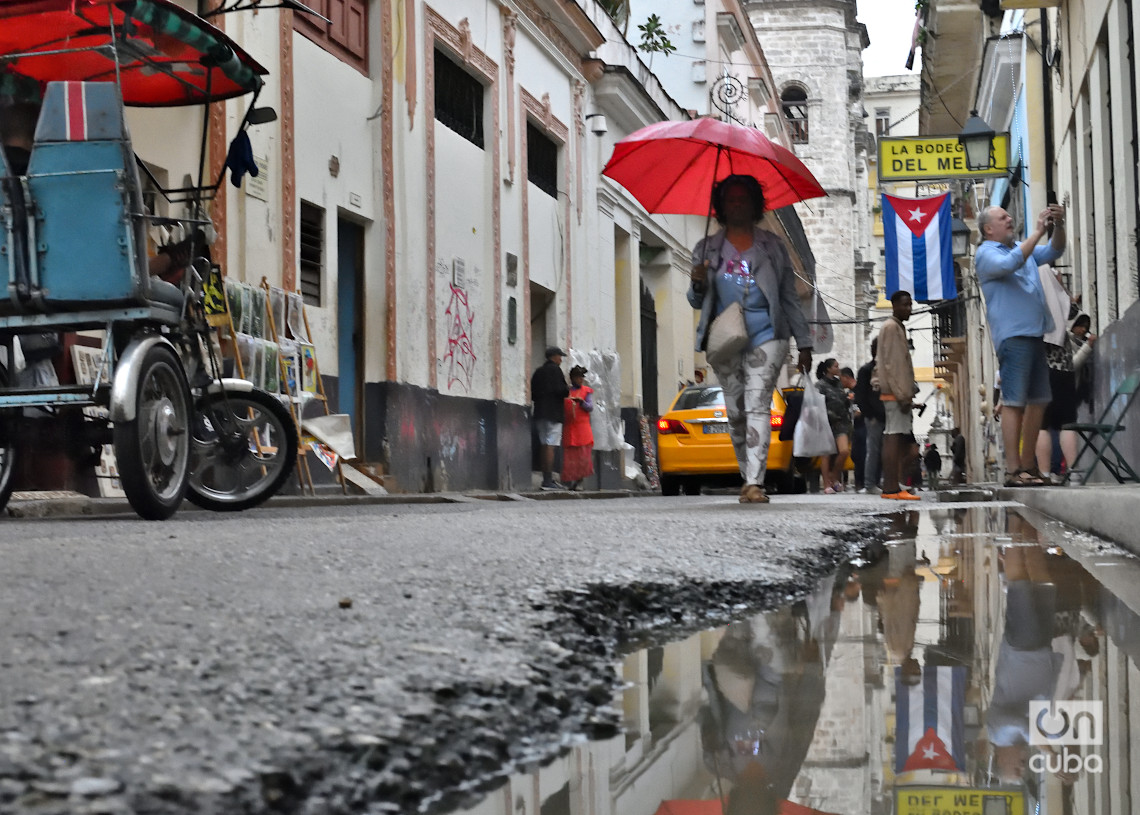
(693, 445)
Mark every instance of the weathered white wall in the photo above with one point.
(332, 103)
(463, 232)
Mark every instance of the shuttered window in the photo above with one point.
(345, 36)
(458, 100)
(312, 247)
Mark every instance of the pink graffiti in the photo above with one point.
(460, 354)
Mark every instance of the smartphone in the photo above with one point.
(1050, 198)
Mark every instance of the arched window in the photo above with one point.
(794, 102)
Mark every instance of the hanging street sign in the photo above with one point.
(915, 158)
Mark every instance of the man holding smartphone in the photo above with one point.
(1019, 318)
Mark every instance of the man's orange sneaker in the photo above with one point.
(900, 496)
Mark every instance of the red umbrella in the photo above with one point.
(670, 167)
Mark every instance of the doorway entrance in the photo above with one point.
(350, 322)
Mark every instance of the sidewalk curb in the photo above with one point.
(1105, 510)
(75, 505)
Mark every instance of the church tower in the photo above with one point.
(814, 49)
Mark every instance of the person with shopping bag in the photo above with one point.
(897, 388)
(744, 285)
(839, 419)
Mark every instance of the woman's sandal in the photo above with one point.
(1024, 478)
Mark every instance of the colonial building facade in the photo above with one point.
(432, 186)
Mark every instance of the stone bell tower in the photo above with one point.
(814, 49)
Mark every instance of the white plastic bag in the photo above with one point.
(813, 435)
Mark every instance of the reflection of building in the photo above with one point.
(839, 773)
(847, 741)
(677, 748)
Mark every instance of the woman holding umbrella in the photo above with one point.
(746, 264)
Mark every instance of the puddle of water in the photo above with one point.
(981, 665)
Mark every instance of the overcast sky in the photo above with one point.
(889, 25)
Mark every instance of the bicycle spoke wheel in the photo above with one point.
(243, 448)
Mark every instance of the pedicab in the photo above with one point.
(73, 247)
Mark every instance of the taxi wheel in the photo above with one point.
(670, 485)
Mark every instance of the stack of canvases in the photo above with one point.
(271, 340)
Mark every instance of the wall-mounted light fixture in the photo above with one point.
(977, 139)
(959, 238)
(599, 126)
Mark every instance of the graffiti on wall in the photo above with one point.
(460, 357)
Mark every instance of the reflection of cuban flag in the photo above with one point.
(929, 731)
(920, 260)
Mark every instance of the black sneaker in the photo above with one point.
(551, 485)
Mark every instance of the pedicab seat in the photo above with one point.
(91, 239)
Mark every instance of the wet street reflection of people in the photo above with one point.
(765, 688)
(1045, 654)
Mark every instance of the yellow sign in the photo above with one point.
(958, 801)
(912, 158)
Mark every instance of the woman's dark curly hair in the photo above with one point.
(578, 370)
(749, 183)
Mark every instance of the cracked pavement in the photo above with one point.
(393, 658)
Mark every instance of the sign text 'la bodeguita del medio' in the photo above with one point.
(915, 158)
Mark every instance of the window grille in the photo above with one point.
(458, 100)
(312, 246)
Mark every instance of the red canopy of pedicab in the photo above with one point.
(164, 50)
(670, 167)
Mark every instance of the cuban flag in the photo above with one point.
(920, 256)
(929, 726)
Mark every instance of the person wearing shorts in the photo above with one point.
(896, 391)
(548, 389)
(1018, 316)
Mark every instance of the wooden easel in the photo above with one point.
(296, 403)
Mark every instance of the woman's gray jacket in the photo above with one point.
(772, 272)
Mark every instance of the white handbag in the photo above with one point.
(727, 336)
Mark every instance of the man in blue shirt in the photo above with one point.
(1019, 318)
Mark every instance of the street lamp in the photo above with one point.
(959, 238)
(977, 139)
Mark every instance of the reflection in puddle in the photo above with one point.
(967, 670)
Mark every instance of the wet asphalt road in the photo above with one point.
(352, 659)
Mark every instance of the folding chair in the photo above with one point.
(1098, 435)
